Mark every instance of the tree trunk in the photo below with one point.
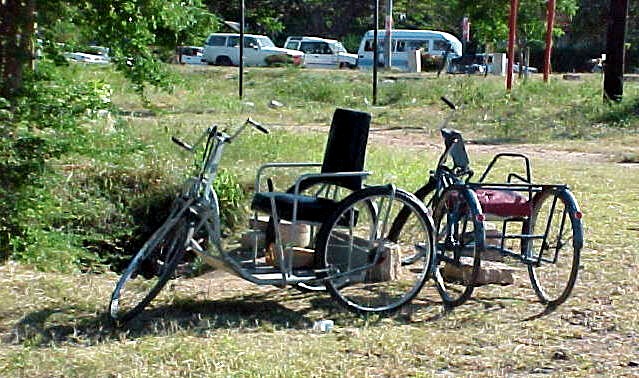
(16, 44)
(615, 49)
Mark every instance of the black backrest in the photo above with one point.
(346, 146)
(456, 149)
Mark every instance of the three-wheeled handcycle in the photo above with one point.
(351, 253)
(537, 224)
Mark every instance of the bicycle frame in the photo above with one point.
(199, 200)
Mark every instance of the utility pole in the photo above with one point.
(375, 51)
(242, 11)
(512, 26)
(615, 50)
(388, 42)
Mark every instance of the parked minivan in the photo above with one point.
(322, 52)
(223, 49)
(403, 41)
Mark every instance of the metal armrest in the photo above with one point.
(321, 175)
(307, 176)
(264, 167)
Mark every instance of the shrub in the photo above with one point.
(44, 124)
(79, 191)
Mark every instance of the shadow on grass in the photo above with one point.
(259, 311)
(496, 303)
(59, 325)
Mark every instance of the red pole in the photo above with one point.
(512, 26)
(550, 23)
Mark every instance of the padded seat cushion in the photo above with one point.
(309, 209)
(504, 203)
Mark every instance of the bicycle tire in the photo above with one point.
(162, 252)
(400, 220)
(457, 249)
(539, 272)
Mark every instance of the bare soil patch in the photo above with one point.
(425, 140)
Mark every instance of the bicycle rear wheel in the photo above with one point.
(555, 215)
(459, 241)
(150, 269)
(366, 270)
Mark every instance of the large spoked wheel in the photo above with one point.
(150, 270)
(364, 268)
(459, 241)
(554, 272)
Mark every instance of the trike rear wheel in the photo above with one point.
(556, 217)
(459, 242)
(364, 267)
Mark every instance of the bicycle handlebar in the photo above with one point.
(257, 125)
(449, 103)
(182, 144)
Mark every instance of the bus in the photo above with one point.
(403, 41)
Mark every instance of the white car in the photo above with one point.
(526, 69)
(92, 55)
(189, 54)
(223, 49)
(322, 52)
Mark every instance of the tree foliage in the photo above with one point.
(132, 29)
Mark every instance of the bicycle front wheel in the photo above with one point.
(150, 269)
(366, 271)
(557, 221)
(459, 242)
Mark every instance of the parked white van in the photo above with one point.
(322, 52)
(403, 41)
(223, 49)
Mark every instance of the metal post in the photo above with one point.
(388, 41)
(465, 33)
(615, 50)
(375, 52)
(512, 26)
(241, 65)
(550, 24)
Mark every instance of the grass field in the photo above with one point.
(54, 324)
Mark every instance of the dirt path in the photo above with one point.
(420, 140)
